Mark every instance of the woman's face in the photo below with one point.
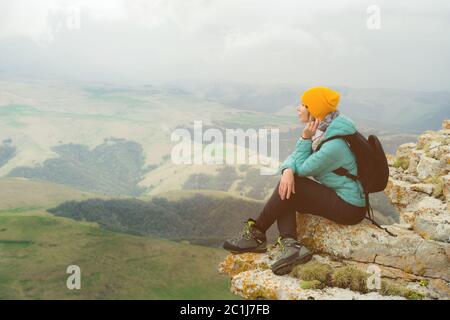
(303, 113)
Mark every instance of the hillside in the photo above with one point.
(24, 194)
(36, 248)
(203, 217)
(116, 140)
(398, 111)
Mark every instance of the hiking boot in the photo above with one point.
(250, 239)
(290, 254)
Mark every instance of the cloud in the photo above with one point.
(255, 41)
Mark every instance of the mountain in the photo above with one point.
(114, 167)
(398, 111)
(116, 140)
(63, 132)
(103, 138)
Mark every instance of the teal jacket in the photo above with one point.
(331, 155)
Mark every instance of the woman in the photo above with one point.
(329, 195)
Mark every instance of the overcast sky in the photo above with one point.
(254, 41)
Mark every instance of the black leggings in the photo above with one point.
(311, 197)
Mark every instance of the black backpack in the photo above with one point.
(373, 169)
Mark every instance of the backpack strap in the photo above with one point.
(328, 139)
(340, 171)
(344, 172)
(370, 216)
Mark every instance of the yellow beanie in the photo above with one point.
(320, 101)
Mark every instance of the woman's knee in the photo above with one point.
(276, 196)
(305, 183)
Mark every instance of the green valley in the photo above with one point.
(36, 248)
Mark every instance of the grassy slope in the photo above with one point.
(20, 194)
(36, 248)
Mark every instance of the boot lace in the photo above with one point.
(275, 253)
(245, 232)
(281, 244)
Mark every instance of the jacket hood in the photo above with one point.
(341, 125)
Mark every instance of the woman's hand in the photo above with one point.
(287, 184)
(310, 129)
